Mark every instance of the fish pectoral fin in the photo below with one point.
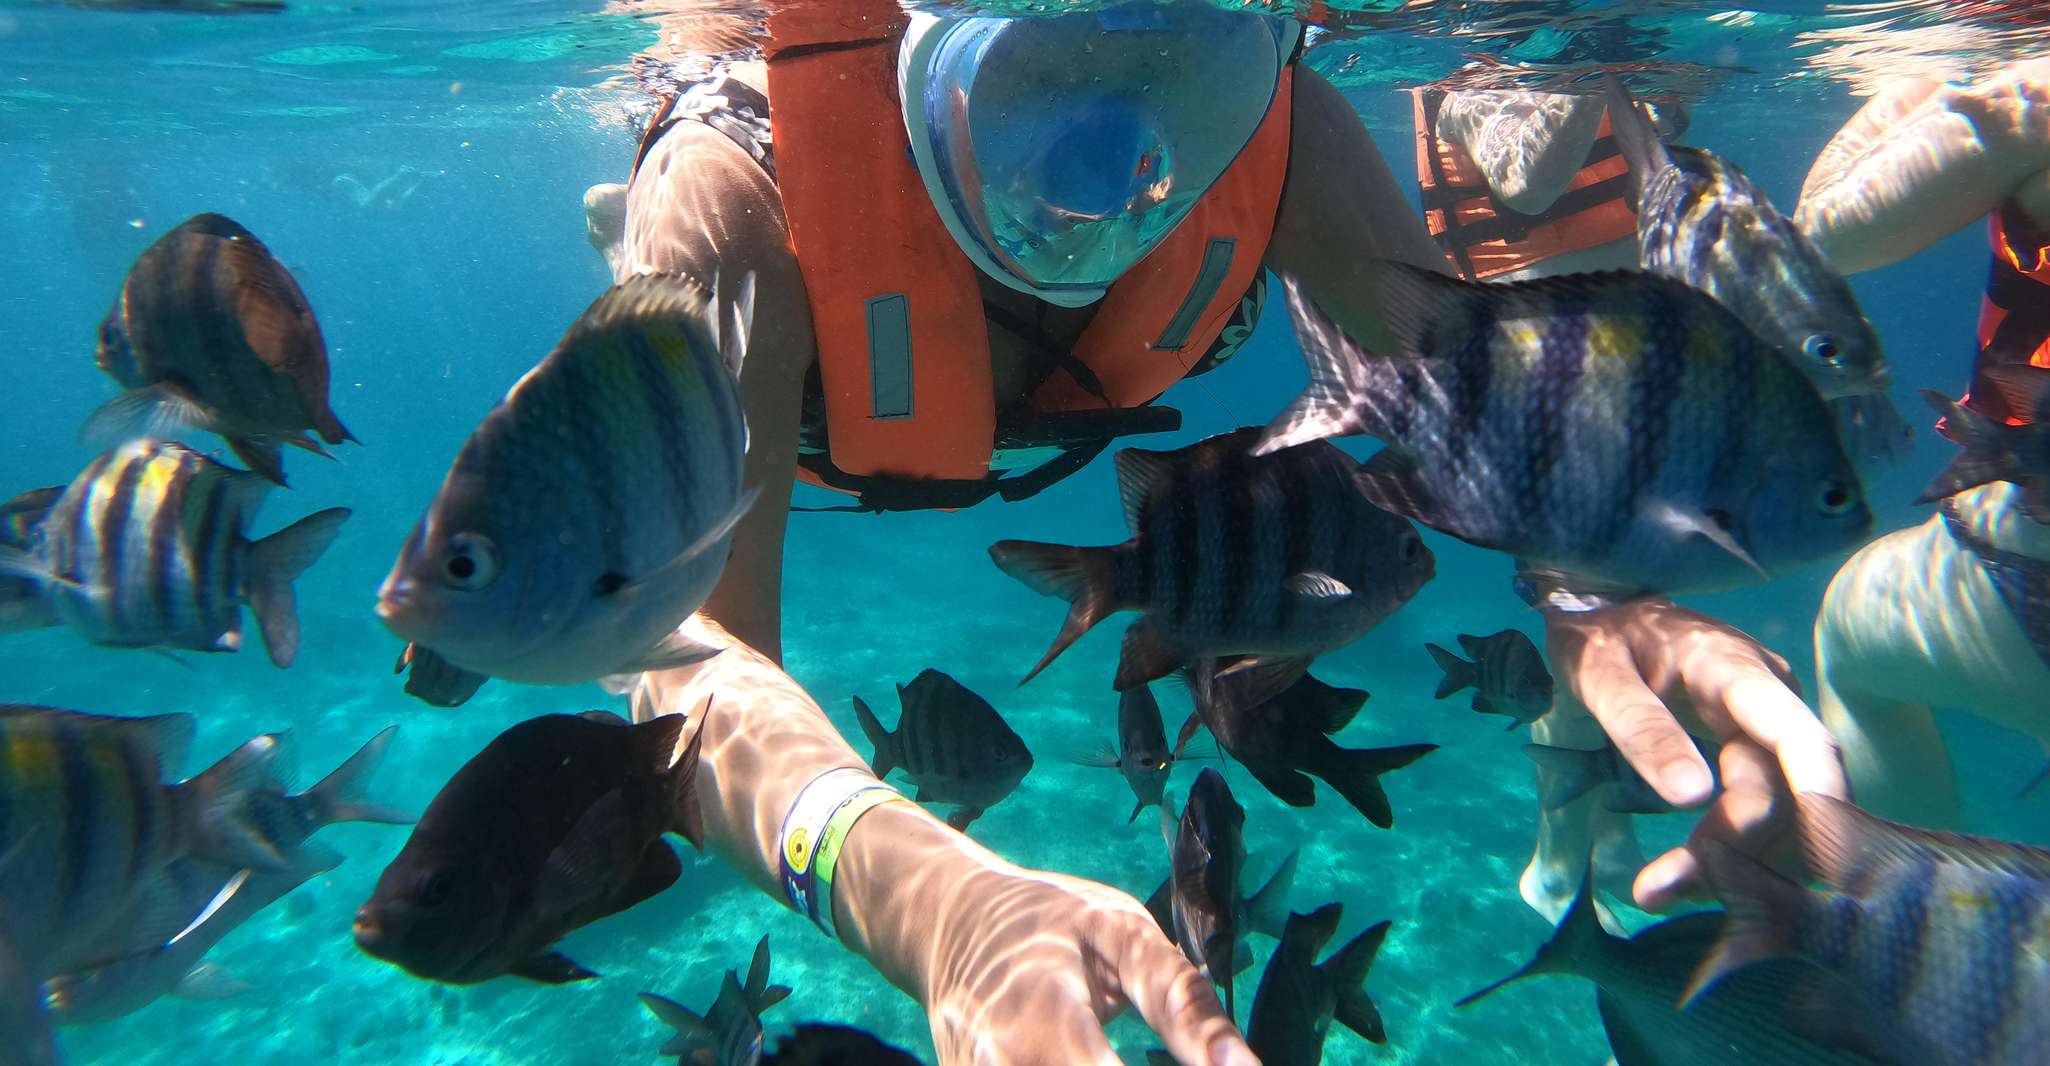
(1317, 585)
(551, 968)
(578, 870)
(690, 553)
(206, 982)
(963, 817)
(1684, 522)
(671, 651)
(157, 411)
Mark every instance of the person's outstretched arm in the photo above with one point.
(1014, 966)
(1923, 160)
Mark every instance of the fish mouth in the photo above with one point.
(402, 608)
(369, 933)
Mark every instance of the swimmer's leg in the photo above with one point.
(1893, 750)
(704, 208)
(1569, 836)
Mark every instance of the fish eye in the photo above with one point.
(434, 891)
(1000, 753)
(1822, 347)
(1835, 497)
(472, 562)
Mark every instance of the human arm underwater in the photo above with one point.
(1014, 966)
(1649, 671)
(1924, 159)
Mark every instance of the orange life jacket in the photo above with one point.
(1484, 237)
(903, 342)
(2014, 316)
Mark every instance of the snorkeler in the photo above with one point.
(1947, 611)
(971, 246)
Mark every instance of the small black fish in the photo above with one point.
(1209, 852)
(435, 681)
(1298, 998)
(1265, 911)
(951, 743)
(1275, 719)
(729, 1033)
(1507, 674)
(1996, 451)
(836, 1045)
(555, 824)
(1231, 554)
(1142, 753)
(1571, 773)
(1747, 1020)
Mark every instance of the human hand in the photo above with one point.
(1025, 966)
(1648, 671)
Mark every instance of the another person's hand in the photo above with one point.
(1026, 966)
(1649, 671)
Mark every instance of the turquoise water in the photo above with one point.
(420, 167)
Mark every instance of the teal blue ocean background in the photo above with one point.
(420, 166)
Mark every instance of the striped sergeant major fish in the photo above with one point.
(211, 331)
(147, 549)
(951, 743)
(730, 1032)
(158, 945)
(1994, 450)
(591, 511)
(1300, 997)
(1279, 555)
(1507, 674)
(1940, 937)
(1701, 222)
(1621, 428)
(92, 820)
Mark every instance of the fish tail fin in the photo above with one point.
(1459, 673)
(1340, 398)
(1763, 910)
(273, 564)
(1267, 909)
(157, 411)
(339, 797)
(688, 814)
(884, 741)
(264, 456)
(1346, 973)
(1578, 939)
(331, 429)
(217, 802)
(1356, 774)
(1636, 137)
(1570, 773)
(1082, 576)
(1871, 427)
(761, 995)
(693, 1033)
(1986, 457)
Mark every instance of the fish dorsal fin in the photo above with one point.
(1846, 845)
(1141, 472)
(1635, 135)
(758, 972)
(603, 717)
(730, 334)
(169, 735)
(1473, 646)
(212, 224)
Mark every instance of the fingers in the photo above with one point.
(1750, 815)
(1605, 679)
(1770, 713)
(1176, 1001)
